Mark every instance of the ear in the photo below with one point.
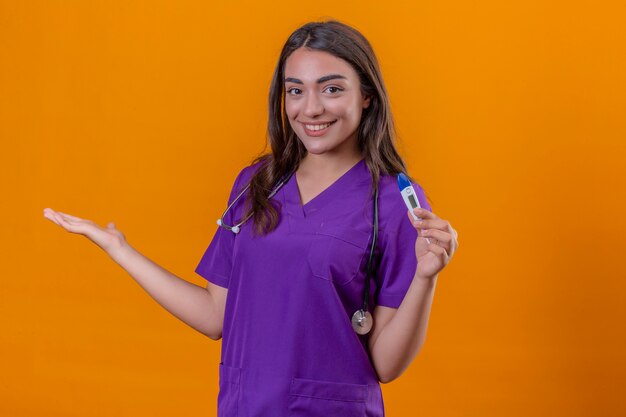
(366, 102)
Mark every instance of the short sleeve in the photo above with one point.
(216, 264)
(398, 262)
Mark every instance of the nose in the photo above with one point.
(313, 105)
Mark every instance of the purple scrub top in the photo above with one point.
(288, 347)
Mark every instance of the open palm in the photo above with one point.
(108, 238)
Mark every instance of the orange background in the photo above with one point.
(511, 116)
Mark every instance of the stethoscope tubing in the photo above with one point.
(362, 320)
(237, 227)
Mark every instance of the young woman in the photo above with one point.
(316, 235)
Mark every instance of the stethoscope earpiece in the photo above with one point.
(235, 229)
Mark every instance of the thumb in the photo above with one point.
(111, 225)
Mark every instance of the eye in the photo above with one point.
(291, 91)
(337, 89)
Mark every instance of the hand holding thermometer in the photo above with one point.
(409, 195)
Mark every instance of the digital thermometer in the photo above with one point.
(408, 194)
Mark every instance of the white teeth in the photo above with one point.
(317, 127)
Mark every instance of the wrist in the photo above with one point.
(427, 279)
(120, 252)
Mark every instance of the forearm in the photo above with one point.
(402, 337)
(189, 302)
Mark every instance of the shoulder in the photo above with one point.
(248, 172)
(242, 180)
(245, 175)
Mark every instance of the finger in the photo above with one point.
(51, 217)
(424, 214)
(70, 225)
(77, 221)
(70, 221)
(454, 240)
(413, 221)
(451, 250)
(49, 213)
(69, 216)
(434, 224)
(448, 247)
(439, 251)
(420, 236)
(61, 220)
(440, 235)
(444, 245)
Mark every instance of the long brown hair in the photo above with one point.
(376, 133)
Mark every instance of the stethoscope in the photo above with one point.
(362, 320)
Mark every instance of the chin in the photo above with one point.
(316, 149)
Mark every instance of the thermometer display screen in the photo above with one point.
(412, 201)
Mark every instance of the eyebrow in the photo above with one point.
(319, 81)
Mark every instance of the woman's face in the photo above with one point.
(323, 101)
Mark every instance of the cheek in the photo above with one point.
(292, 114)
(347, 109)
(291, 109)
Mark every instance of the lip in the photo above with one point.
(316, 133)
(318, 123)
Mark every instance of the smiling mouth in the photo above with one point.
(317, 127)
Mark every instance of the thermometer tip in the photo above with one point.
(403, 181)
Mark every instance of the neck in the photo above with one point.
(327, 165)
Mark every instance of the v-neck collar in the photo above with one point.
(292, 192)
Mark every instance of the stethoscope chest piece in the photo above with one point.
(362, 322)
